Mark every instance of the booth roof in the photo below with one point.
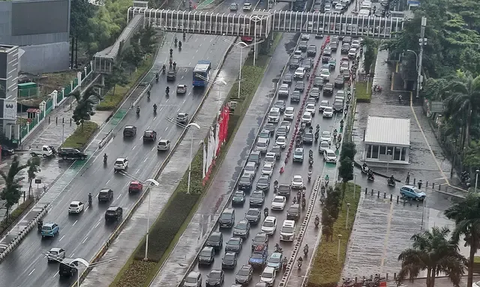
(392, 131)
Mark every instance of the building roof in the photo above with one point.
(388, 131)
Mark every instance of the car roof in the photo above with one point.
(270, 218)
(251, 163)
(297, 176)
(49, 224)
(113, 208)
(228, 210)
(329, 151)
(289, 222)
(135, 182)
(129, 127)
(299, 149)
(105, 189)
(193, 274)
(121, 158)
(263, 140)
(57, 249)
(181, 86)
(75, 202)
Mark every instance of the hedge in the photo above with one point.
(326, 270)
(16, 213)
(111, 100)
(81, 136)
(363, 95)
(181, 206)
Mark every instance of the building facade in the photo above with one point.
(41, 29)
(9, 68)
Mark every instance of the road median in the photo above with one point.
(81, 136)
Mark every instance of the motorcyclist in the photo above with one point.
(184, 36)
(304, 202)
(180, 45)
(317, 220)
(300, 262)
(391, 179)
(89, 199)
(105, 157)
(170, 61)
(138, 110)
(167, 90)
(284, 263)
(310, 153)
(155, 108)
(265, 211)
(278, 248)
(318, 127)
(174, 65)
(341, 123)
(309, 175)
(164, 68)
(176, 41)
(157, 76)
(40, 224)
(171, 52)
(305, 250)
(364, 167)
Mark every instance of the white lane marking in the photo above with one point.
(189, 64)
(143, 161)
(196, 52)
(178, 110)
(96, 225)
(184, 101)
(196, 39)
(61, 238)
(75, 223)
(87, 208)
(55, 275)
(134, 147)
(31, 272)
(108, 181)
(211, 40)
(72, 255)
(85, 240)
(166, 129)
(182, 77)
(167, 101)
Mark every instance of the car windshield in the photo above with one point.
(52, 252)
(267, 167)
(73, 204)
(225, 216)
(297, 180)
(257, 255)
(245, 177)
(268, 224)
(267, 275)
(257, 195)
(328, 110)
(330, 154)
(250, 167)
(287, 229)
(294, 209)
(229, 257)
(298, 152)
(275, 113)
(214, 275)
(307, 116)
(275, 259)
(233, 241)
(241, 225)
(261, 144)
(111, 212)
(278, 199)
(263, 181)
(238, 194)
(244, 272)
(324, 144)
(280, 139)
(119, 162)
(191, 279)
(253, 157)
(259, 238)
(46, 228)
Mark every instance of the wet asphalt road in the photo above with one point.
(82, 235)
(290, 170)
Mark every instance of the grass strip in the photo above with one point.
(181, 207)
(111, 99)
(14, 216)
(363, 93)
(327, 267)
(81, 136)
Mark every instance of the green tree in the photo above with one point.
(466, 214)
(148, 39)
(370, 54)
(80, 12)
(434, 252)
(348, 150)
(33, 169)
(462, 99)
(12, 192)
(117, 77)
(85, 103)
(346, 172)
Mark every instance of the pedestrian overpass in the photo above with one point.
(260, 24)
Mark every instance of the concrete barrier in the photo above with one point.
(106, 139)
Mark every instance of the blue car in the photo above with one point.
(259, 256)
(411, 192)
(275, 260)
(50, 229)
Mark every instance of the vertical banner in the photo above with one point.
(204, 161)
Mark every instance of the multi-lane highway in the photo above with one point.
(82, 235)
(291, 169)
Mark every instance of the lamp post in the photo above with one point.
(255, 19)
(389, 153)
(191, 155)
(354, 178)
(348, 210)
(476, 179)
(147, 233)
(422, 42)
(241, 45)
(338, 251)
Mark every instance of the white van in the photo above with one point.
(364, 13)
(287, 233)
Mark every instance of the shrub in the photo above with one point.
(363, 95)
(327, 270)
(81, 136)
(12, 218)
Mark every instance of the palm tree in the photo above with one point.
(462, 99)
(434, 252)
(85, 102)
(12, 191)
(466, 214)
(33, 168)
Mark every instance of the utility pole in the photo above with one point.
(422, 42)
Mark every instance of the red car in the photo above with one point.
(135, 186)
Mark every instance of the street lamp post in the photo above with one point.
(191, 155)
(155, 183)
(348, 210)
(338, 251)
(242, 45)
(476, 179)
(255, 19)
(422, 42)
(354, 179)
(389, 153)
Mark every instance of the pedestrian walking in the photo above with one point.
(407, 181)
(420, 184)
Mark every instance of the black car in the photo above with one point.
(270, 127)
(281, 131)
(105, 195)
(244, 275)
(302, 46)
(315, 93)
(71, 153)
(294, 64)
(300, 86)
(254, 157)
(293, 213)
(253, 215)
(242, 229)
(6, 151)
(263, 183)
(171, 75)
(334, 46)
(227, 219)
(113, 213)
(338, 106)
(284, 190)
(308, 138)
(257, 198)
(280, 104)
(277, 150)
(229, 261)
(215, 278)
(239, 197)
(318, 82)
(325, 59)
(129, 131)
(328, 89)
(295, 97)
(288, 79)
(307, 65)
(259, 239)
(345, 48)
(311, 50)
(234, 244)
(215, 240)
(245, 182)
(68, 267)
(206, 256)
(150, 136)
(339, 82)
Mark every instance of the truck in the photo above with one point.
(45, 151)
(71, 153)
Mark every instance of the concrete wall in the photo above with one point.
(45, 58)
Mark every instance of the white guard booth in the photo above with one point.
(387, 140)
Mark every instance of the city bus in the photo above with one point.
(201, 73)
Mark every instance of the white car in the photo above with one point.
(329, 156)
(326, 136)
(247, 6)
(269, 226)
(56, 254)
(289, 114)
(181, 89)
(268, 276)
(287, 233)
(310, 108)
(323, 105)
(163, 145)
(76, 207)
(344, 65)
(262, 145)
(270, 157)
(274, 115)
(307, 118)
(325, 74)
(305, 37)
(297, 54)
(279, 202)
(268, 168)
(324, 145)
(299, 73)
(285, 124)
(355, 44)
(120, 164)
(250, 168)
(328, 112)
(297, 182)
(281, 141)
(352, 53)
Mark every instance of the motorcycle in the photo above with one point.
(339, 138)
(163, 69)
(371, 177)
(299, 264)
(317, 221)
(138, 111)
(155, 109)
(40, 225)
(304, 203)
(310, 163)
(157, 77)
(278, 248)
(148, 95)
(265, 212)
(305, 250)
(284, 264)
(391, 182)
(105, 158)
(317, 134)
(317, 128)
(309, 177)
(365, 169)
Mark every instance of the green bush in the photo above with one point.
(327, 270)
(5, 224)
(115, 96)
(362, 94)
(81, 136)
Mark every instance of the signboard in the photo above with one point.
(9, 110)
(436, 107)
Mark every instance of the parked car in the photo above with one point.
(411, 192)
